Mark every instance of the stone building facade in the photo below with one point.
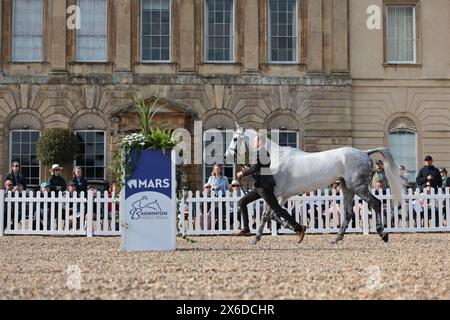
(332, 88)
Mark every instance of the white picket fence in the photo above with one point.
(59, 214)
(320, 212)
(100, 215)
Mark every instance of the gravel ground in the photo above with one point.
(411, 266)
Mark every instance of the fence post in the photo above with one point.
(121, 209)
(2, 211)
(365, 218)
(90, 213)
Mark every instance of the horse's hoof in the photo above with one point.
(255, 241)
(385, 237)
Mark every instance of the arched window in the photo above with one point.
(24, 132)
(403, 144)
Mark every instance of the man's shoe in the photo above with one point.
(301, 234)
(242, 233)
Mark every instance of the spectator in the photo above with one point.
(9, 187)
(57, 183)
(336, 211)
(235, 191)
(184, 195)
(429, 205)
(74, 210)
(16, 176)
(403, 174)
(79, 180)
(206, 208)
(218, 181)
(429, 173)
(41, 210)
(378, 174)
(445, 179)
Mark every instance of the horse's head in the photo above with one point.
(235, 144)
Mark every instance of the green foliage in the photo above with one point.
(57, 145)
(149, 138)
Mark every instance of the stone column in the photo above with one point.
(122, 13)
(315, 46)
(340, 36)
(58, 32)
(186, 36)
(251, 36)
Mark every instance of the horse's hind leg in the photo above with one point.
(349, 214)
(264, 219)
(375, 203)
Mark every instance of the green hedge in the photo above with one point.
(57, 145)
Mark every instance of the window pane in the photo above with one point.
(402, 144)
(282, 30)
(219, 38)
(27, 30)
(91, 155)
(155, 30)
(92, 36)
(23, 149)
(400, 36)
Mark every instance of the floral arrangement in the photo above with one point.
(149, 138)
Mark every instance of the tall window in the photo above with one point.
(402, 143)
(215, 143)
(155, 30)
(91, 155)
(283, 31)
(401, 34)
(92, 36)
(27, 30)
(22, 146)
(219, 31)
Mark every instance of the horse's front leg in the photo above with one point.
(264, 219)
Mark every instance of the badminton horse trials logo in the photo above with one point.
(146, 207)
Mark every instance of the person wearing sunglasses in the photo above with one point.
(56, 181)
(16, 177)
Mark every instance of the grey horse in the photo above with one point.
(296, 172)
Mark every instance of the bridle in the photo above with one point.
(237, 144)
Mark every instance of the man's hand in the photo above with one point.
(239, 175)
(430, 177)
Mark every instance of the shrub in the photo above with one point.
(57, 145)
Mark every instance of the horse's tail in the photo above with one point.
(395, 183)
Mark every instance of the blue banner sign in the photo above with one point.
(150, 203)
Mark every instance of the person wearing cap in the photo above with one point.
(378, 174)
(429, 173)
(445, 179)
(56, 181)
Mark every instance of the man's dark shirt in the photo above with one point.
(57, 183)
(266, 179)
(81, 184)
(427, 171)
(19, 179)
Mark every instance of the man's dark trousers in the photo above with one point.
(268, 196)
